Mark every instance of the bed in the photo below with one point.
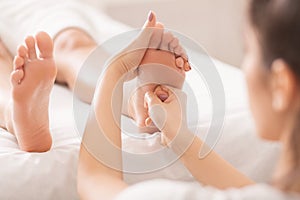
(52, 175)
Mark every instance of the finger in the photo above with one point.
(177, 93)
(151, 99)
(166, 39)
(173, 44)
(144, 37)
(141, 43)
(147, 31)
(151, 21)
(163, 140)
(180, 51)
(157, 36)
(161, 93)
(148, 121)
(158, 115)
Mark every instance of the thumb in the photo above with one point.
(151, 99)
(151, 21)
(143, 39)
(140, 44)
(156, 110)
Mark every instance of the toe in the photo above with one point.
(22, 51)
(45, 45)
(16, 77)
(30, 43)
(187, 66)
(179, 62)
(18, 62)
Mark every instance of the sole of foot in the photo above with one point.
(32, 80)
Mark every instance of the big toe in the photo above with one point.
(45, 45)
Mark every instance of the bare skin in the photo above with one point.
(73, 46)
(26, 83)
(32, 80)
(91, 172)
(31, 86)
(5, 71)
(136, 106)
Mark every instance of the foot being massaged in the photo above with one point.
(159, 63)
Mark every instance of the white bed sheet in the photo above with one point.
(52, 175)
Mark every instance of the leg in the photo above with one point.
(32, 80)
(71, 48)
(5, 86)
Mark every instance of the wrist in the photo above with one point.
(182, 142)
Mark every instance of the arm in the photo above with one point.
(212, 169)
(95, 179)
(100, 160)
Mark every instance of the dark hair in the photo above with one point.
(277, 27)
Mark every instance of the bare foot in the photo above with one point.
(136, 107)
(32, 81)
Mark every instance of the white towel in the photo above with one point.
(21, 18)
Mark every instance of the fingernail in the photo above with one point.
(148, 121)
(150, 16)
(163, 97)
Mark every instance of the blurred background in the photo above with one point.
(217, 25)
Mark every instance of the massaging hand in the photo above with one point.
(152, 36)
(169, 115)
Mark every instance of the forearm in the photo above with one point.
(100, 161)
(95, 180)
(212, 169)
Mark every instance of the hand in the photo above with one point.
(169, 114)
(152, 36)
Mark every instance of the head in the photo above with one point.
(272, 69)
(158, 67)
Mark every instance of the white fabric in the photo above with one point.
(19, 19)
(52, 175)
(164, 189)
